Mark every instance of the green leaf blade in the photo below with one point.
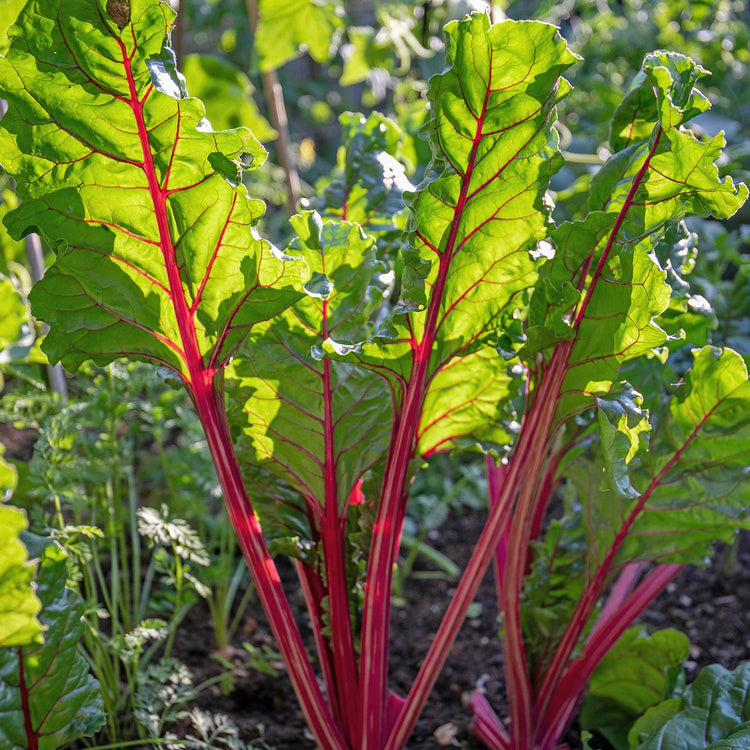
(712, 714)
(476, 221)
(316, 423)
(698, 488)
(157, 254)
(638, 673)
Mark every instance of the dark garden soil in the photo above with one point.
(711, 606)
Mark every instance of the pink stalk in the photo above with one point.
(392, 503)
(334, 554)
(546, 489)
(264, 573)
(393, 709)
(620, 592)
(516, 669)
(312, 590)
(526, 460)
(486, 724)
(606, 633)
(496, 476)
(209, 405)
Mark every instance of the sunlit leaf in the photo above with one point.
(476, 221)
(316, 423)
(156, 252)
(19, 605)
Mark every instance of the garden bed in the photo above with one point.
(709, 605)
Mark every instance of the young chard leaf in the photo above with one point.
(116, 167)
(47, 697)
(369, 189)
(662, 173)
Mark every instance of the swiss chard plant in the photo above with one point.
(325, 373)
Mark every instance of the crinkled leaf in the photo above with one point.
(663, 175)
(316, 423)
(622, 427)
(691, 488)
(674, 76)
(479, 214)
(697, 469)
(227, 94)
(64, 701)
(618, 324)
(287, 28)
(639, 672)
(682, 177)
(714, 714)
(690, 317)
(19, 606)
(156, 252)
(369, 189)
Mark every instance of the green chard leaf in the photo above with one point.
(120, 171)
(316, 423)
(713, 714)
(690, 487)
(47, 697)
(476, 221)
(639, 672)
(369, 189)
(287, 28)
(693, 483)
(661, 173)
